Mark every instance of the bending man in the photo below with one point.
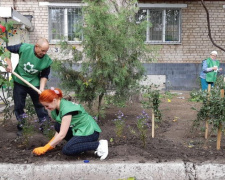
(33, 66)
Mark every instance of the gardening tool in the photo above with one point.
(26, 82)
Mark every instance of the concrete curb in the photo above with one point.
(107, 170)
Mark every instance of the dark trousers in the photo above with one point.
(19, 95)
(78, 144)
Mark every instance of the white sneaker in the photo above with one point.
(102, 150)
(99, 150)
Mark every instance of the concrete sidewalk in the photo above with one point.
(106, 170)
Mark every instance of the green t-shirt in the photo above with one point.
(30, 66)
(211, 76)
(82, 124)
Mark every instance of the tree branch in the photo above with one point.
(209, 29)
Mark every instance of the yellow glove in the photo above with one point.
(42, 150)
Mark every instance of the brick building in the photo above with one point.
(183, 40)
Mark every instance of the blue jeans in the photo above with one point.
(78, 144)
(204, 84)
(19, 95)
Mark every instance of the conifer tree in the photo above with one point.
(113, 52)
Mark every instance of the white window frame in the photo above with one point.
(163, 7)
(63, 5)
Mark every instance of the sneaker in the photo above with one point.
(98, 151)
(102, 150)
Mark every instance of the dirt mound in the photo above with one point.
(174, 138)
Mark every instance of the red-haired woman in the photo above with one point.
(73, 124)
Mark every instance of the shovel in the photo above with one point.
(26, 82)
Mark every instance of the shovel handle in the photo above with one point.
(26, 82)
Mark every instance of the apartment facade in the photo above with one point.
(179, 29)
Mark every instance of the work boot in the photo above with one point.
(102, 150)
(19, 129)
(21, 121)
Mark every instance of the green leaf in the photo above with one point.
(4, 39)
(6, 54)
(9, 25)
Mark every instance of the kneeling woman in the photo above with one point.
(73, 124)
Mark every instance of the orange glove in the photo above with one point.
(42, 150)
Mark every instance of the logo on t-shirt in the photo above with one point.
(30, 68)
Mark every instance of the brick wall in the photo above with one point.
(195, 44)
(186, 57)
(39, 13)
(40, 16)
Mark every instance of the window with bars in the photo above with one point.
(164, 25)
(65, 23)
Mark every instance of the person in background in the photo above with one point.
(210, 68)
(73, 124)
(33, 66)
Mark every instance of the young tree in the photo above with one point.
(113, 52)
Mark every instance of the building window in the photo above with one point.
(164, 25)
(65, 23)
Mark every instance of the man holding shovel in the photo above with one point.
(34, 67)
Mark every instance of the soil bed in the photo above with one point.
(174, 138)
